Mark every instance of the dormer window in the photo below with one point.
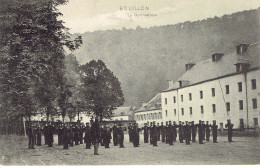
(180, 83)
(188, 66)
(217, 56)
(241, 48)
(242, 67)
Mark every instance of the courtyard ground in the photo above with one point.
(244, 150)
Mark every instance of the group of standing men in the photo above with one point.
(186, 132)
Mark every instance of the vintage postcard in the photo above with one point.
(129, 82)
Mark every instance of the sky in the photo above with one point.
(93, 15)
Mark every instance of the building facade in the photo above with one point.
(224, 87)
(150, 112)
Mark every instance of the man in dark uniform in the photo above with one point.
(180, 132)
(38, 132)
(60, 135)
(136, 135)
(187, 133)
(121, 136)
(95, 134)
(163, 132)
(115, 135)
(193, 131)
(44, 134)
(88, 138)
(130, 132)
(174, 126)
(154, 134)
(30, 134)
(170, 133)
(207, 128)
(102, 132)
(214, 132)
(65, 137)
(151, 133)
(49, 133)
(158, 132)
(76, 135)
(145, 128)
(106, 136)
(204, 130)
(200, 128)
(229, 126)
(167, 133)
(71, 136)
(81, 130)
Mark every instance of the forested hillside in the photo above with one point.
(144, 59)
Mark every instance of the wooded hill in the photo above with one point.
(145, 58)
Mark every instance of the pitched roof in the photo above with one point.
(123, 111)
(153, 104)
(207, 69)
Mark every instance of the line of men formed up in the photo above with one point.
(68, 135)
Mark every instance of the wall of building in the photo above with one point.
(221, 115)
(148, 117)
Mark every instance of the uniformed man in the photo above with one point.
(200, 128)
(158, 132)
(193, 131)
(170, 133)
(146, 134)
(151, 133)
(154, 134)
(163, 132)
(207, 128)
(81, 130)
(88, 138)
(71, 136)
(174, 126)
(65, 137)
(215, 132)
(115, 135)
(181, 132)
(136, 135)
(49, 133)
(229, 126)
(60, 134)
(187, 133)
(95, 134)
(30, 134)
(76, 135)
(44, 133)
(121, 136)
(204, 130)
(106, 136)
(130, 132)
(38, 132)
(167, 133)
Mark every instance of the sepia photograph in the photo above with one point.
(129, 82)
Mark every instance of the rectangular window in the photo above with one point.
(182, 111)
(227, 89)
(174, 112)
(214, 108)
(190, 96)
(240, 104)
(201, 95)
(201, 109)
(228, 106)
(181, 98)
(174, 99)
(254, 103)
(165, 100)
(255, 121)
(166, 113)
(253, 81)
(213, 92)
(190, 110)
(239, 86)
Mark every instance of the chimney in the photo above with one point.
(170, 82)
(216, 56)
(241, 48)
(143, 104)
(188, 66)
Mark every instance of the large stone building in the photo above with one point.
(150, 112)
(224, 87)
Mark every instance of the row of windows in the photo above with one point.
(150, 116)
(254, 103)
(213, 93)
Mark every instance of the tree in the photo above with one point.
(101, 89)
(32, 56)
